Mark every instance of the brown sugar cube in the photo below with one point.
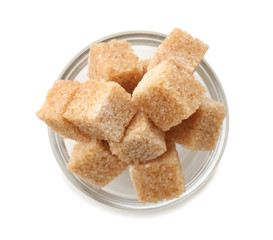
(160, 179)
(145, 63)
(58, 97)
(167, 96)
(94, 163)
(115, 61)
(142, 141)
(181, 45)
(202, 129)
(102, 110)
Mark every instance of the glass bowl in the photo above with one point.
(197, 165)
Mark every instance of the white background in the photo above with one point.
(38, 38)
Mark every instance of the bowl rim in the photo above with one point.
(54, 138)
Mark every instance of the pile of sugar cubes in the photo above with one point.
(130, 113)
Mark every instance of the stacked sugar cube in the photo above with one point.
(132, 112)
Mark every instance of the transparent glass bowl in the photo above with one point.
(197, 165)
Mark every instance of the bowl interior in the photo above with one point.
(197, 165)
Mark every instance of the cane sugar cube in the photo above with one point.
(102, 110)
(202, 129)
(160, 179)
(181, 45)
(58, 97)
(115, 61)
(167, 96)
(145, 63)
(94, 163)
(142, 141)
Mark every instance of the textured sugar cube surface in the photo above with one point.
(94, 163)
(184, 68)
(142, 141)
(167, 96)
(181, 45)
(145, 63)
(115, 61)
(58, 97)
(201, 130)
(102, 110)
(160, 179)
